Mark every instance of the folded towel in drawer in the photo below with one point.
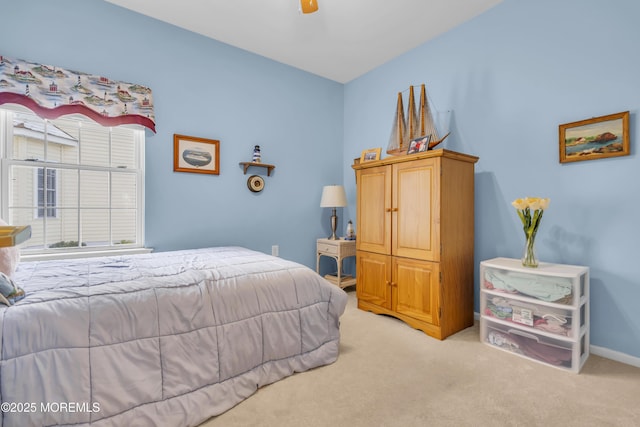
(544, 288)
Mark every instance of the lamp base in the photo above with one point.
(334, 224)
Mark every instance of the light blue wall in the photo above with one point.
(511, 76)
(207, 89)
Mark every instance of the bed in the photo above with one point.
(160, 339)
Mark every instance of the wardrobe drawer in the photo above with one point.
(540, 348)
(538, 317)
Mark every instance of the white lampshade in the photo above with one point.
(333, 196)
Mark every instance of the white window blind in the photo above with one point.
(78, 184)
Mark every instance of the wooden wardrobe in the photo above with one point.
(414, 246)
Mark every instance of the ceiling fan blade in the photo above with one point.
(309, 6)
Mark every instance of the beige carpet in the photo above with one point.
(389, 374)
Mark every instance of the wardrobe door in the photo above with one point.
(373, 279)
(415, 210)
(373, 216)
(416, 289)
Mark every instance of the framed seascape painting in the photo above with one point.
(197, 155)
(595, 138)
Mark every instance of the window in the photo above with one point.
(78, 184)
(46, 193)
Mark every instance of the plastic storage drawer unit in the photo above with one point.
(538, 313)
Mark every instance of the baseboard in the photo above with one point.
(602, 352)
(615, 355)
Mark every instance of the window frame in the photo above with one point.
(111, 248)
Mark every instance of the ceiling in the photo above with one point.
(343, 40)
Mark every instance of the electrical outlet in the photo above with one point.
(275, 250)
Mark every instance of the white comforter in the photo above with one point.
(164, 339)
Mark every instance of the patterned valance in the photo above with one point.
(52, 92)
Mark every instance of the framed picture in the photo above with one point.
(596, 138)
(419, 145)
(197, 155)
(370, 155)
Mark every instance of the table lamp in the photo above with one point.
(333, 196)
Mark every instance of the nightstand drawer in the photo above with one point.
(328, 249)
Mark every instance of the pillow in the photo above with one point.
(9, 292)
(9, 257)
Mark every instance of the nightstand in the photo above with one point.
(338, 250)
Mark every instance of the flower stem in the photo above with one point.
(529, 257)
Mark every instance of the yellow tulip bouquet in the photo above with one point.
(530, 210)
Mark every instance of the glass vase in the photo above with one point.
(529, 258)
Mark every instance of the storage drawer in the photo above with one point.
(550, 351)
(546, 288)
(537, 317)
(327, 249)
